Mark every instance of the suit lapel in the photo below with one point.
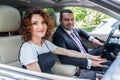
(78, 36)
(76, 33)
(69, 39)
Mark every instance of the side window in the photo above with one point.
(96, 23)
(87, 19)
(101, 24)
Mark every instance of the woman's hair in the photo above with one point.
(26, 24)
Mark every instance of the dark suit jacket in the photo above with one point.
(62, 39)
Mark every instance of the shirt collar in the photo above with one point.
(68, 31)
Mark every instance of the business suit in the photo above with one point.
(63, 39)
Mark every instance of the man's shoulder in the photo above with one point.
(59, 30)
(59, 34)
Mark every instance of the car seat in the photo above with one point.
(9, 44)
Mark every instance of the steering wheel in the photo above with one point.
(110, 36)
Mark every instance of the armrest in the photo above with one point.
(64, 69)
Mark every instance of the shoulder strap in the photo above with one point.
(47, 45)
(19, 52)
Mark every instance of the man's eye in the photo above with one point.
(66, 19)
(72, 19)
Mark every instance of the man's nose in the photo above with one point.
(70, 21)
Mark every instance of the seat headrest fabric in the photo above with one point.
(9, 49)
(9, 18)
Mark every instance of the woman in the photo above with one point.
(36, 53)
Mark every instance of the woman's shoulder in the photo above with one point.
(26, 45)
(47, 41)
(50, 44)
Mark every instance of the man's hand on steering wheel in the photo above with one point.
(96, 42)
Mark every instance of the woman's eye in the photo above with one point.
(43, 22)
(34, 23)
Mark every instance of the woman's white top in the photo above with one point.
(29, 51)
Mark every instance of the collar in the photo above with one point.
(68, 31)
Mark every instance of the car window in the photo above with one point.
(87, 19)
(101, 24)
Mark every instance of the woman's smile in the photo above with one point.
(41, 31)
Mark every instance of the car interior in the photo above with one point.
(10, 17)
(10, 44)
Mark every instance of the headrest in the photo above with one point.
(9, 18)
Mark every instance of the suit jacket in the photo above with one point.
(62, 39)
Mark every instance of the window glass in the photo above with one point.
(87, 19)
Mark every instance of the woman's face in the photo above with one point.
(39, 26)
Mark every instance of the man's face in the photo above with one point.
(67, 21)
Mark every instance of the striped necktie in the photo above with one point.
(78, 42)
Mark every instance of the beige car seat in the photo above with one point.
(9, 44)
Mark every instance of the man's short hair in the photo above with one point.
(64, 11)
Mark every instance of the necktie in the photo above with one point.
(78, 42)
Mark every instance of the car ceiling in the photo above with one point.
(110, 7)
(46, 3)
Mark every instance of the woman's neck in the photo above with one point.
(37, 41)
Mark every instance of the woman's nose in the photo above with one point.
(40, 25)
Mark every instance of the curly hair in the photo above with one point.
(26, 24)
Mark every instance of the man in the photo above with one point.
(67, 36)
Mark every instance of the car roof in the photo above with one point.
(109, 7)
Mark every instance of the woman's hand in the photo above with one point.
(96, 58)
(97, 63)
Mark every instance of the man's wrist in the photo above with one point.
(87, 56)
(89, 64)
